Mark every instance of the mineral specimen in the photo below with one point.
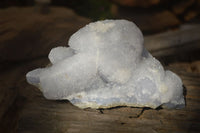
(107, 65)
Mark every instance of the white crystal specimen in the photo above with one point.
(107, 65)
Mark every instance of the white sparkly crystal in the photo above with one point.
(107, 65)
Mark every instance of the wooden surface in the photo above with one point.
(41, 115)
(25, 110)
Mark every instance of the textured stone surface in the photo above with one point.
(106, 65)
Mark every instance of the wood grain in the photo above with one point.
(41, 115)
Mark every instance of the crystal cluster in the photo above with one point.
(107, 65)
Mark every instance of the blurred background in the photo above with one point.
(29, 29)
(150, 15)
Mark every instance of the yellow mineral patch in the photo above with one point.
(163, 88)
(123, 75)
(101, 27)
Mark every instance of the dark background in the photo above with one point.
(150, 15)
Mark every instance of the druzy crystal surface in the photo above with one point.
(107, 65)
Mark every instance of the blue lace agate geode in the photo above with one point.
(107, 65)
